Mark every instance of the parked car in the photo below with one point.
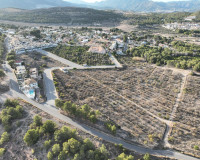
(64, 70)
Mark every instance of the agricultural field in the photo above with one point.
(127, 98)
(80, 55)
(151, 88)
(185, 134)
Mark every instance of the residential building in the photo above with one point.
(20, 72)
(29, 87)
(33, 73)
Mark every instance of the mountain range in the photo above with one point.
(150, 6)
(125, 5)
(34, 4)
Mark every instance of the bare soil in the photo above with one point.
(114, 93)
(186, 131)
(35, 60)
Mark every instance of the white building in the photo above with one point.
(33, 73)
(20, 72)
(28, 88)
(113, 46)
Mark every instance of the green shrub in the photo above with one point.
(4, 138)
(44, 57)
(2, 74)
(56, 149)
(31, 137)
(50, 155)
(2, 151)
(146, 156)
(47, 144)
(111, 127)
(196, 147)
(49, 127)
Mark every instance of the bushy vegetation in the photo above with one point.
(2, 151)
(2, 48)
(66, 15)
(79, 54)
(157, 18)
(197, 17)
(65, 142)
(188, 32)
(31, 137)
(11, 58)
(111, 127)
(196, 147)
(4, 138)
(36, 33)
(84, 111)
(146, 156)
(2, 74)
(185, 47)
(123, 156)
(11, 111)
(187, 58)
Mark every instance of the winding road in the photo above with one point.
(49, 107)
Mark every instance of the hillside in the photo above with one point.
(197, 16)
(126, 5)
(62, 15)
(149, 6)
(33, 4)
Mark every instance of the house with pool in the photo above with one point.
(29, 87)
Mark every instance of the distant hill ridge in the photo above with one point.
(150, 6)
(33, 4)
(127, 5)
(62, 15)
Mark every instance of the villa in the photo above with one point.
(28, 88)
(33, 73)
(20, 72)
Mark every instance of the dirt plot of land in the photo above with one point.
(186, 132)
(152, 88)
(37, 60)
(115, 93)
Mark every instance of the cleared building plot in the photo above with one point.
(37, 60)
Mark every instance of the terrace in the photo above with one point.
(131, 99)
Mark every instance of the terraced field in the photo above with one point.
(134, 99)
(186, 131)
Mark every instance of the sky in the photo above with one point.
(92, 1)
(168, 0)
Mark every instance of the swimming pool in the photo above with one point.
(31, 92)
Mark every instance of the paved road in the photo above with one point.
(74, 65)
(55, 112)
(115, 61)
(60, 59)
(49, 87)
(50, 90)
